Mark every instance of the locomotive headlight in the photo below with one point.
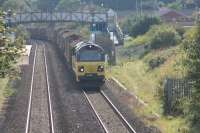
(81, 68)
(100, 68)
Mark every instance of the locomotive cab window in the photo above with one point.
(90, 53)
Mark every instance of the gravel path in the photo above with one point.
(110, 119)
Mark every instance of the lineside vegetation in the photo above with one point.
(12, 42)
(11, 45)
(191, 46)
(145, 62)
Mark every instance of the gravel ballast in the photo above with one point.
(71, 111)
(107, 115)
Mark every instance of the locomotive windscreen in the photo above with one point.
(91, 54)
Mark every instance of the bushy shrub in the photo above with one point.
(141, 40)
(158, 36)
(156, 62)
(71, 4)
(164, 36)
(139, 26)
(192, 49)
(181, 31)
(181, 106)
(177, 5)
(143, 25)
(10, 48)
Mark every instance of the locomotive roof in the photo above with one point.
(82, 44)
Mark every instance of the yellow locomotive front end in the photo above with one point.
(89, 62)
(90, 71)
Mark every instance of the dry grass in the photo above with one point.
(148, 85)
(3, 85)
(5, 91)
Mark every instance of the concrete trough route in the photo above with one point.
(39, 115)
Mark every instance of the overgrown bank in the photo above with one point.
(12, 41)
(143, 65)
(147, 82)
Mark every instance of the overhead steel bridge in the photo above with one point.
(46, 17)
(102, 20)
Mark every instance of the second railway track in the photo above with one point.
(109, 116)
(40, 116)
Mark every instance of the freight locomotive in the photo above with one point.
(86, 59)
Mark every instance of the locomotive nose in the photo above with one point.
(91, 68)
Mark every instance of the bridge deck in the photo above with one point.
(32, 17)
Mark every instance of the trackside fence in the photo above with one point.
(174, 90)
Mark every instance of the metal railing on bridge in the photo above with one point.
(102, 20)
(39, 17)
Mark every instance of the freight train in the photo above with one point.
(85, 58)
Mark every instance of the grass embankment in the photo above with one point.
(147, 83)
(5, 91)
(3, 84)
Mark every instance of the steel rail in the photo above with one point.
(30, 95)
(49, 94)
(96, 113)
(118, 112)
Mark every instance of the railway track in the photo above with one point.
(40, 116)
(108, 115)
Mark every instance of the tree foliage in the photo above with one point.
(131, 4)
(139, 26)
(192, 48)
(122, 4)
(143, 25)
(164, 36)
(68, 4)
(10, 49)
(14, 5)
(1, 2)
(47, 5)
(159, 36)
(177, 5)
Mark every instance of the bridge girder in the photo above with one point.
(44, 17)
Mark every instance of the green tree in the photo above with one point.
(10, 49)
(163, 36)
(159, 36)
(14, 5)
(197, 2)
(192, 48)
(68, 5)
(1, 2)
(47, 5)
(141, 26)
(177, 5)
